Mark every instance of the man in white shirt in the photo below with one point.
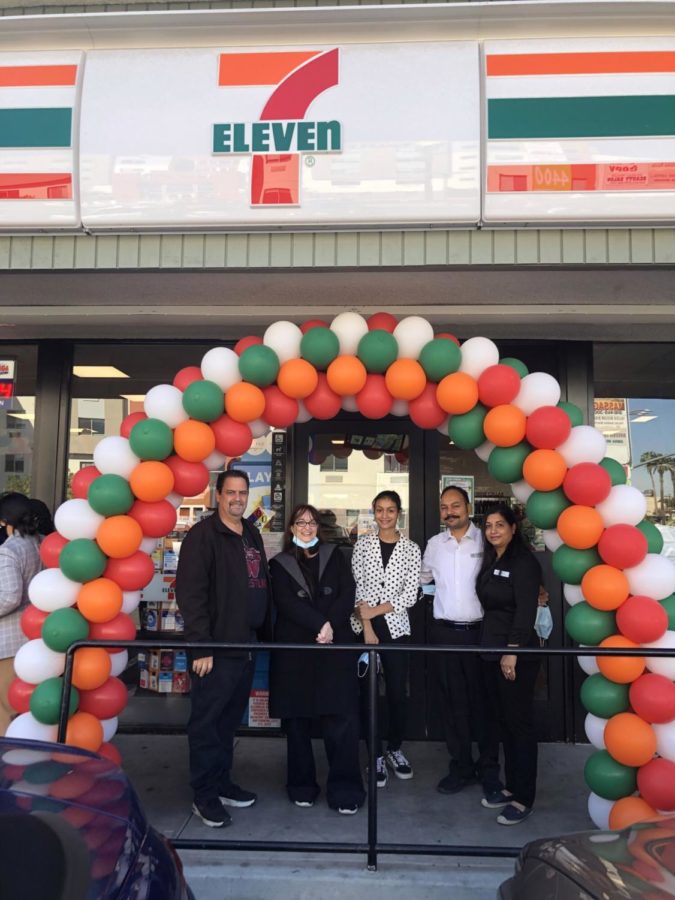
(452, 559)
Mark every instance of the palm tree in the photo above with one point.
(648, 459)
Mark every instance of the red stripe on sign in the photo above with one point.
(580, 63)
(38, 76)
(36, 186)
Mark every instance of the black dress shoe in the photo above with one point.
(453, 783)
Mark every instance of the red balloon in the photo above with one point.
(622, 546)
(402, 456)
(341, 451)
(448, 336)
(50, 549)
(425, 411)
(280, 410)
(642, 619)
(31, 621)
(186, 376)
(106, 701)
(246, 342)
(81, 481)
(156, 519)
(323, 403)
(374, 400)
(587, 484)
(19, 694)
(313, 323)
(548, 427)
(121, 628)
(653, 698)
(108, 751)
(498, 385)
(656, 783)
(132, 573)
(189, 479)
(382, 321)
(232, 438)
(129, 421)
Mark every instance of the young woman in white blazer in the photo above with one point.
(386, 568)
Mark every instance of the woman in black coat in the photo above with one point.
(314, 597)
(508, 587)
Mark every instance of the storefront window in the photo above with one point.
(18, 369)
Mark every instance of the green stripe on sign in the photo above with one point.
(35, 127)
(574, 117)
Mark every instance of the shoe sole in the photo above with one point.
(305, 804)
(502, 821)
(487, 805)
(404, 776)
(239, 804)
(210, 822)
(348, 812)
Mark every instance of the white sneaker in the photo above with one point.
(398, 764)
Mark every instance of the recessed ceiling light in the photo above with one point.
(98, 372)
(337, 440)
(642, 418)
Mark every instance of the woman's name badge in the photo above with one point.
(501, 574)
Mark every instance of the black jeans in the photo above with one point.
(464, 713)
(395, 668)
(218, 701)
(512, 705)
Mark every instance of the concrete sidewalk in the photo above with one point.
(408, 811)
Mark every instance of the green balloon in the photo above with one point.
(570, 565)
(82, 560)
(669, 605)
(45, 701)
(603, 697)
(516, 364)
(587, 625)
(439, 358)
(467, 430)
(110, 495)
(574, 412)
(320, 346)
(544, 507)
(377, 350)
(151, 439)
(615, 469)
(259, 365)
(506, 463)
(608, 778)
(653, 535)
(204, 401)
(44, 772)
(62, 628)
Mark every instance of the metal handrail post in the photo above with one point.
(372, 760)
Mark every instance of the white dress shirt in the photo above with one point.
(453, 565)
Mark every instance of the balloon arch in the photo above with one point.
(619, 589)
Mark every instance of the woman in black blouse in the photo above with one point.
(508, 587)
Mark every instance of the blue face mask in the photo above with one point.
(305, 544)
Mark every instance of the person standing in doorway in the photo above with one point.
(222, 591)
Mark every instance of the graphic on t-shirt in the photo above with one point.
(252, 556)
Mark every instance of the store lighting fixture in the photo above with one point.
(337, 440)
(98, 372)
(642, 415)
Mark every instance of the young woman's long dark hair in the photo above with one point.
(515, 545)
(16, 510)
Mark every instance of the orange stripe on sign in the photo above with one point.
(247, 69)
(37, 76)
(581, 63)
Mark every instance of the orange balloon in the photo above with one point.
(151, 481)
(297, 378)
(405, 379)
(629, 810)
(71, 785)
(605, 587)
(244, 402)
(84, 730)
(629, 739)
(580, 527)
(193, 441)
(545, 470)
(346, 375)
(91, 668)
(620, 669)
(505, 425)
(100, 600)
(457, 393)
(119, 536)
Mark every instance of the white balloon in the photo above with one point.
(522, 490)
(662, 665)
(175, 499)
(552, 539)
(76, 519)
(50, 590)
(259, 428)
(34, 662)
(400, 408)
(27, 787)
(537, 389)
(109, 728)
(654, 577)
(443, 427)
(411, 334)
(349, 404)
(623, 505)
(584, 444)
(26, 726)
(215, 461)
(573, 594)
(24, 757)
(130, 601)
(303, 414)
(221, 365)
(114, 456)
(284, 338)
(483, 452)
(118, 662)
(349, 327)
(599, 810)
(665, 740)
(478, 354)
(165, 402)
(589, 664)
(594, 727)
(148, 545)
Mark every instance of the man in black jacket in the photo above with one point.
(222, 590)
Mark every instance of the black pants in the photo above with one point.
(464, 713)
(395, 668)
(512, 705)
(341, 740)
(218, 703)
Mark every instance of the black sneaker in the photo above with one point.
(211, 812)
(454, 783)
(233, 795)
(496, 799)
(381, 772)
(398, 763)
(511, 815)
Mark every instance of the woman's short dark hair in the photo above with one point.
(45, 523)
(292, 519)
(16, 510)
(516, 542)
(388, 495)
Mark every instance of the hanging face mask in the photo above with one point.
(305, 544)
(543, 624)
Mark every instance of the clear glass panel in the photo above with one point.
(18, 371)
